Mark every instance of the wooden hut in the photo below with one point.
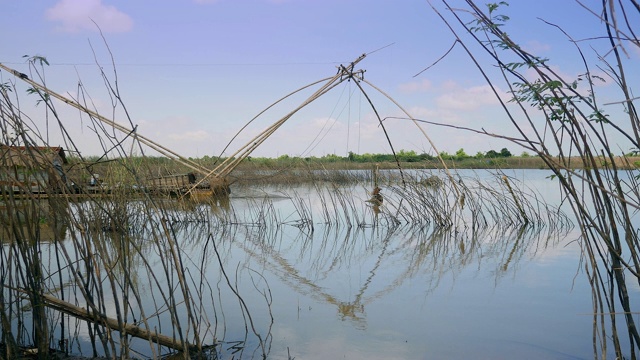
(188, 184)
(32, 169)
(173, 184)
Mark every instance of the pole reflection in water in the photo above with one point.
(404, 291)
(534, 267)
(318, 273)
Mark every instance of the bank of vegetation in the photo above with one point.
(403, 159)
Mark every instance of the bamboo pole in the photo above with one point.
(342, 74)
(113, 324)
(227, 166)
(157, 147)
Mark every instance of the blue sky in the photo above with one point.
(192, 72)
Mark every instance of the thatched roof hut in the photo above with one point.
(31, 156)
(34, 169)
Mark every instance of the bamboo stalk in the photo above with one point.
(159, 148)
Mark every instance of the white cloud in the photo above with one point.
(635, 49)
(535, 47)
(198, 135)
(419, 112)
(416, 86)
(449, 85)
(79, 15)
(467, 99)
(583, 86)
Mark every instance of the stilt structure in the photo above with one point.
(214, 180)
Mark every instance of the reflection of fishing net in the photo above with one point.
(373, 262)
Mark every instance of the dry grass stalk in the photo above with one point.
(574, 125)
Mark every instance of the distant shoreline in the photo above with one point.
(514, 162)
(256, 168)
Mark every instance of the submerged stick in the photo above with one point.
(113, 324)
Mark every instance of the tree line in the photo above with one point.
(401, 155)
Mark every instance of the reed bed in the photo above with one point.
(425, 198)
(78, 276)
(302, 174)
(97, 270)
(565, 122)
(125, 268)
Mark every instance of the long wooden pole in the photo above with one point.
(159, 148)
(113, 324)
(227, 166)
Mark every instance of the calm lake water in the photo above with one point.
(406, 293)
(386, 292)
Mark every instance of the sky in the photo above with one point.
(192, 73)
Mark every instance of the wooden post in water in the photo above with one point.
(375, 175)
(376, 198)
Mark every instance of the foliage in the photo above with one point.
(561, 120)
(406, 156)
(504, 153)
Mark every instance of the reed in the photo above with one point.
(565, 123)
(77, 263)
(425, 198)
(79, 259)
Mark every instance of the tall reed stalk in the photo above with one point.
(79, 264)
(118, 263)
(564, 120)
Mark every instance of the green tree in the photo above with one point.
(460, 154)
(492, 154)
(505, 153)
(352, 156)
(408, 156)
(445, 155)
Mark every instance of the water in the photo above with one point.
(408, 296)
(380, 292)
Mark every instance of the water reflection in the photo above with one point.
(350, 268)
(36, 221)
(358, 285)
